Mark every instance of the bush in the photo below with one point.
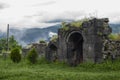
(32, 56)
(42, 41)
(15, 55)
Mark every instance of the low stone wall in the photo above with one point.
(111, 49)
(24, 52)
(40, 48)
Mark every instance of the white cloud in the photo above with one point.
(32, 13)
(51, 34)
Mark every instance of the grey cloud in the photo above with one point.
(35, 15)
(45, 3)
(65, 16)
(3, 5)
(45, 18)
(114, 17)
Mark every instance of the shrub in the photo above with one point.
(42, 41)
(54, 38)
(15, 55)
(32, 56)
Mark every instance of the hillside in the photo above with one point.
(115, 28)
(29, 35)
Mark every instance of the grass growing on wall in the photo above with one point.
(78, 24)
(58, 71)
(114, 37)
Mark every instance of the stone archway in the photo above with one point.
(75, 48)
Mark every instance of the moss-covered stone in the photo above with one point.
(66, 26)
(54, 38)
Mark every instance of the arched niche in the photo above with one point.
(53, 52)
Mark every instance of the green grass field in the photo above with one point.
(58, 71)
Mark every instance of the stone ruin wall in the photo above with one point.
(51, 51)
(111, 49)
(40, 48)
(92, 34)
(96, 45)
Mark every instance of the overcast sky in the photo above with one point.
(41, 13)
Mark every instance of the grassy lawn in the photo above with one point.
(58, 71)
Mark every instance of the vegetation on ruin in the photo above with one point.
(65, 26)
(115, 37)
(77, 24)
(43, 70)
(42, 41)
(54, 38)
(99, 33)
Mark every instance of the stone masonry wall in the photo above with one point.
(111, 49)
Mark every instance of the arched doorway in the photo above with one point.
(53, 52)
(75, 48)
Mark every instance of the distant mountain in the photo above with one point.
(27, 36)
(115, 28)
(35, 34)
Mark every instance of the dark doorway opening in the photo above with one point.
(75, 49)
(53, 52)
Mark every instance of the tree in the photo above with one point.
(12, 43)
(15, 55)
(2, 44)
(32, 56)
